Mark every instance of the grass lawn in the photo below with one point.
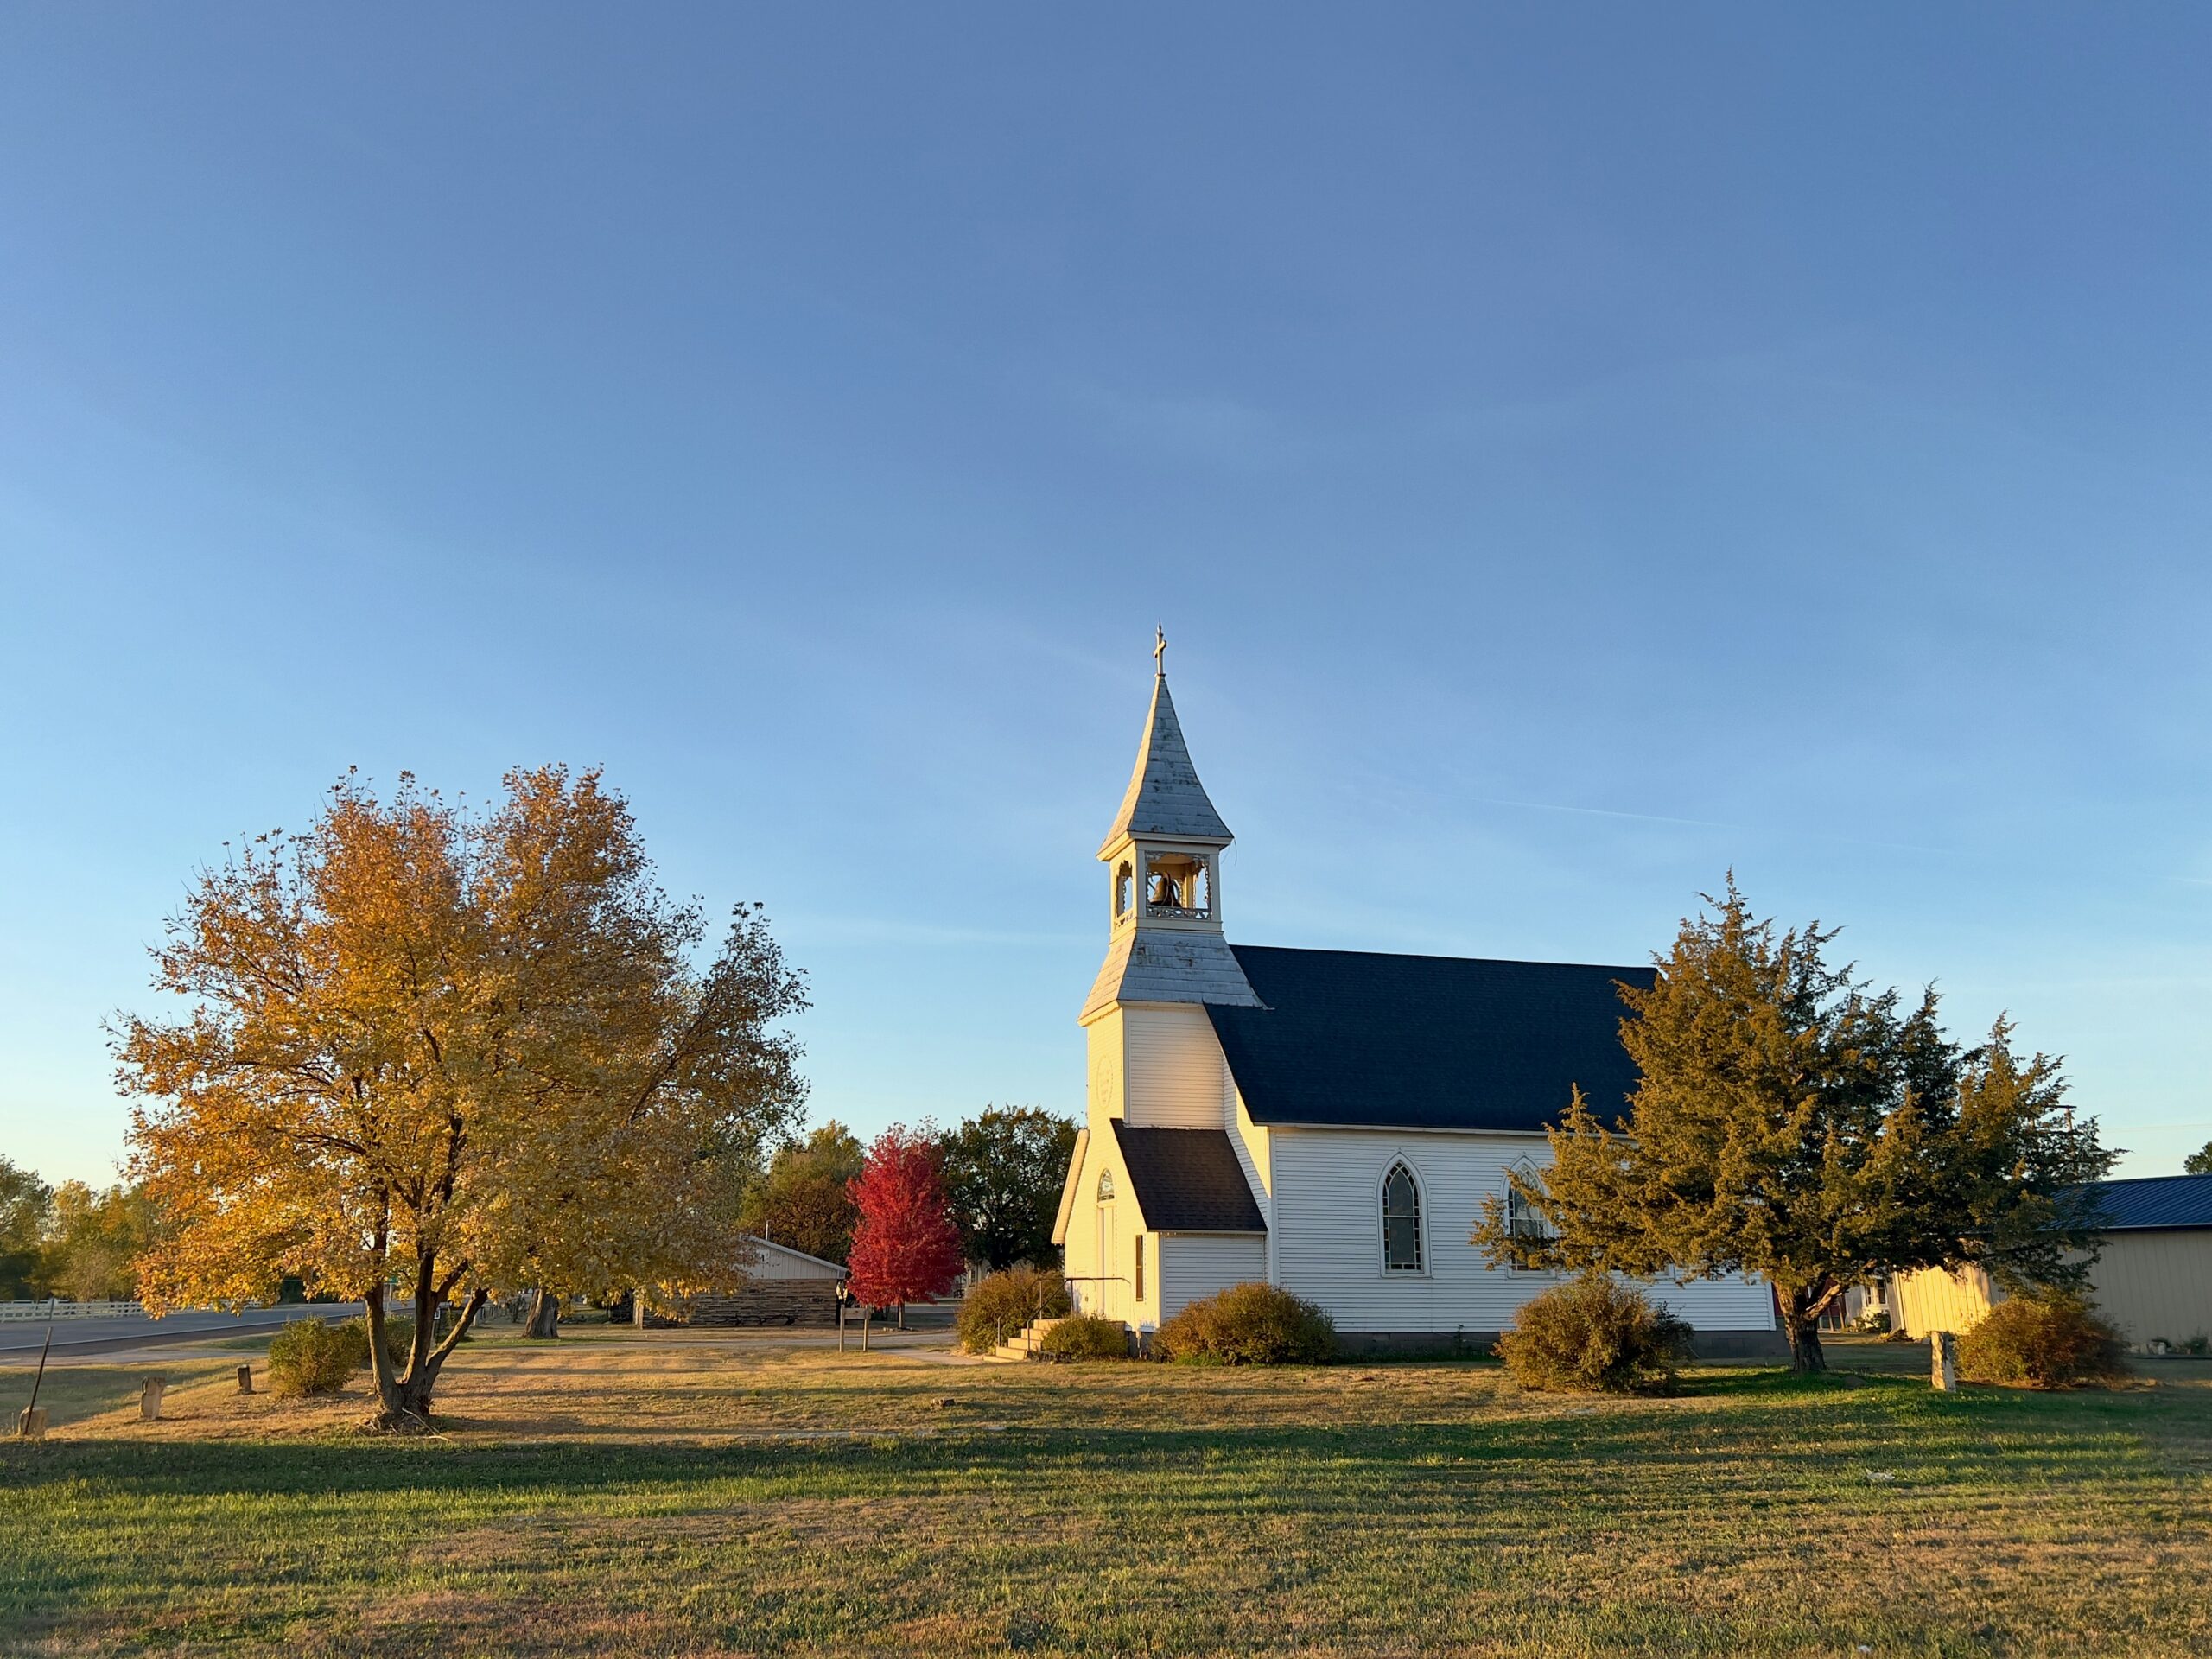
(648, 1494)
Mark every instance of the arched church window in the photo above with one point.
(1400, 1221)
(1522, 1218)
(1105, 1187)
(1124, 888)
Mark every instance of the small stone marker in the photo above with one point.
(1943, 1360)
(245, 1379)
(30, 1423)
(149, 1398)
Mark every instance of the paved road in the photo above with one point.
(21, 1339)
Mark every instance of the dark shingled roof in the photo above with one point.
(2154, 1201)
(1188, 1180)
(1425, 1042)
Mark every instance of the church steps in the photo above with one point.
(1023, 1344)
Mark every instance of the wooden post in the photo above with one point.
(149, 1399)
(840, 1327)
(245, 1379)
(867, 1316)
(31, 1412)
(1943, 1360)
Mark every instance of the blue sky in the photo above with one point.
(1573, 451)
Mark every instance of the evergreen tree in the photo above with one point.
(2198, 1162)
(1792, 1123)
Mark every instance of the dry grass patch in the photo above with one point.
(635, 1496)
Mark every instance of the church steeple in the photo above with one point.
(1164, 797)
(1164, 854)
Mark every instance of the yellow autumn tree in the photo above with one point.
(427, 1056)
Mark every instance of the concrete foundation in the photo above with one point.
(1476, 1345)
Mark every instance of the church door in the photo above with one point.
(1102, 1287)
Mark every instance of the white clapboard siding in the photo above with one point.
(1090, 1275)
(1175, 1069)
(1192, 1265)
(1107, 1077)
(1251, 1143)
(1328, 1232)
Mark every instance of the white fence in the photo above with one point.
(69, 1309)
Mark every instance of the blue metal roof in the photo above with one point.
(1353, 1037)
(2150, 1201)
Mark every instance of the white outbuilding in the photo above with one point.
(1326, 1121)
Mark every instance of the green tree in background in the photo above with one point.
(92, 1243)
(806, 1201)
(24, 1202)
(1792, 1123)
(1003, 1171)
(2199, 1162)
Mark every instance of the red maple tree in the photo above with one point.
(904, 1247)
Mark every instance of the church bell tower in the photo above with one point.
(1163, 862)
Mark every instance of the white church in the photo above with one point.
(1326, 1121)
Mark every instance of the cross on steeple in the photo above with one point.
(1158, 650)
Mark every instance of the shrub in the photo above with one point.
(1874, 1322)
(399, 1337)
(2057, 1343)
(1085, 1337)
(999, 1308)
(315, 1356)
(1595, 1335)
(1249, 1323)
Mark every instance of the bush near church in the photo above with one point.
(315, 1356)
(1595, 1335)
(1005, 1303)
(1085, 1337)
(1251, 1324)
(2056, 1342)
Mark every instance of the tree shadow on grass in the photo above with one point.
(1624, 1463)
(1774, 1383)
(1652, 1433)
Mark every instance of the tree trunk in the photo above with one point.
(1801, 1318)
(406, 1401)
(380, 1368)
(545, 1315)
